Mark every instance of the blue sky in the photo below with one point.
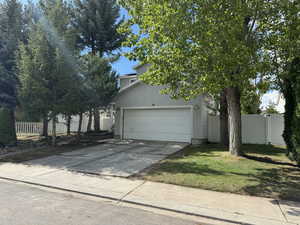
(123, 65)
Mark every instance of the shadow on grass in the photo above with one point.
(269, 150)
(268, 160)
(264, 153)
(185, 167)
(281, 183)
(270, 174)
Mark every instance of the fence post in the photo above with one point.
(268, 129)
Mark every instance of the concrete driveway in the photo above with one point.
(113, 158)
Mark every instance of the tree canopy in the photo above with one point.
(196, 47)
(47, 64)
(11, 33)
(96, 22)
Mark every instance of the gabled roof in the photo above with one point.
(129, 86)
(131, 75)
(138, 66)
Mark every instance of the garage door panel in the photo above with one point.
(158, 124)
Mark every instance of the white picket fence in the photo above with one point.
(27, 128)
(256, 129)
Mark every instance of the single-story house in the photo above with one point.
(143, 113)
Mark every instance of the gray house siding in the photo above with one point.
(142, 95)
(124, 82)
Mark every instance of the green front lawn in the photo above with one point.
(267, 172)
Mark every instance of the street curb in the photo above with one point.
(125, 201)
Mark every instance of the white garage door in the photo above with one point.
(158, 124)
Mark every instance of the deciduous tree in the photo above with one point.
(284, 47)
(197, 46)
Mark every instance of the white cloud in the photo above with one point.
(273, 97)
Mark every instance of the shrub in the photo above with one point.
(7, 129)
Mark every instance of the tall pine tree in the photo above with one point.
(97, 22)
(11, 23)
(47, 64)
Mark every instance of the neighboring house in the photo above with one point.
(143, 113)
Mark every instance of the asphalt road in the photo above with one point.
(27, 205)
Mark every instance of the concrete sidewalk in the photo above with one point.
(206, 206)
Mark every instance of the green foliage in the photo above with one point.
(100, 81)
(48, 68)
(291, 87)
(284, 46)
(271, 109)
(250, 102)
(250, 99)
(298, 126)
(11, 24)
(11, 33)
(198, 46)
(7, 129)
(96, 22)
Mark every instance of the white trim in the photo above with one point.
(127, 76)
(132, 80)
(129, 86)
(121, 121)
(192, 122)
(268, 129)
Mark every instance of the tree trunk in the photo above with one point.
(235, 124)
(7, 127)
(45, 126)
(96, 120)
(290, 119)
(79, 125)
(224, 132)
(54, 131)
(89, 125)
(69, 118)
(290, 90)
(13, 125)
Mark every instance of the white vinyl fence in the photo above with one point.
(26, 128)
(106, 123)
(256, 129)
